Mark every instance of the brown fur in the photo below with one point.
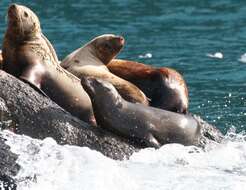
(90, 60)
(1, 59)
(27, 54)
(164, 86)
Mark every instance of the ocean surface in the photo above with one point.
(204, 40)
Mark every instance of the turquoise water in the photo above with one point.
(178, 34)
(174, 33)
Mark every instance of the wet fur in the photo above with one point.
(153, 126)
(164, 86)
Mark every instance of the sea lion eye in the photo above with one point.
(25, 14)
(108, 46)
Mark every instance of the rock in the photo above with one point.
(8, 167)
(25, 111)
(7, 183)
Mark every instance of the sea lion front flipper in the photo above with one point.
(33, 76)
(35, 87)
(152, 141)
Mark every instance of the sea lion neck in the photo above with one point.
(107, 99)
(14, 39)
(91, 53)
(112, 95)
(102, 91)
(94, 50)
(32, 37)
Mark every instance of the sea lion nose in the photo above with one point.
(13, 6)
(122, 40)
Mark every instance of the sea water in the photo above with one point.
(204, 40)
(47, 165)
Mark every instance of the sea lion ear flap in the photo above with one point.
(33, 76)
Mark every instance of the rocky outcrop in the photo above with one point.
(8, 166)
(25, 111)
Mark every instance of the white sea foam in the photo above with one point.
(146, 56)
(46, 165)
(243, 58)
(217, 55)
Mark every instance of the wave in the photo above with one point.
(45, 164)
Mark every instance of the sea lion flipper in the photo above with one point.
(152, 141)
(34, 86)
(32, 76)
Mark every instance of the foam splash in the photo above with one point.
(243, 58)
(217, 55)
(146, 56)
(46, 165)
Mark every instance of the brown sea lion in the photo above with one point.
(28, 55)
(153, 126)
(90, 60)
(1, 59)
(165, 87)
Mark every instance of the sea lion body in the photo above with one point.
(165, 87)
(151, 125)
(1, 59)
(90, 60)
(28, 55)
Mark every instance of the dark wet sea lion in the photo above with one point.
(90, 60)
(165, 87)
(28, 55)
(152, 125)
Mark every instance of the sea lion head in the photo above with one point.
(107, 46)
(22, 22)
(100, 89)
(175, 89)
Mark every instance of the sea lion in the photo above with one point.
(90, 60)
(28, 55)
(1, 59)
(165, 87)
(152, 126)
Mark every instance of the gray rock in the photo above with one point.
(25, 111)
